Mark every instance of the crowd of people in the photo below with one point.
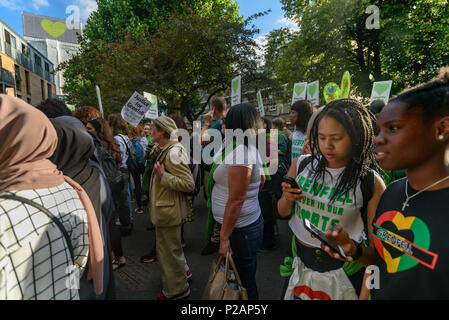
(373, 179)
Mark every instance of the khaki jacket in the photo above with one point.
(168, 204)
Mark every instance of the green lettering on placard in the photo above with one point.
(340, 211)
(301, 181)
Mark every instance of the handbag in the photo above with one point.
(131, 163)
(224, 283)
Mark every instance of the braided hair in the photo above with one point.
(432, 97)
(359, 124)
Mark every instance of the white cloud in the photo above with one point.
(14, 5)
(37, 4)
(86, 8)
(288, 23)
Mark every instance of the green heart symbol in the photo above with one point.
(55, 29)
(259, 99)
(381, 88)
(312, 90)
(153, 100)
(299, 89)
(235, 85)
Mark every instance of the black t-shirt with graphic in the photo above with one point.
(412, 245)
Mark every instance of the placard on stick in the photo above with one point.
(134, 110)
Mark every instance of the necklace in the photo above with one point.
(405, 204)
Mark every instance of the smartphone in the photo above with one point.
(320, 235)
(292, 182)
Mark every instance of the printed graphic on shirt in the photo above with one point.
(297, 146)
(319, 217)
(306, 293)
(403, 242)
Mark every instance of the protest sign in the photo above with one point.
(260, 108)
(134, 110)
(381, 90)
(236, 88)
(313, 92)
(299, 91)
(153, 112)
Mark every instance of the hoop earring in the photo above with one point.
(441, 137)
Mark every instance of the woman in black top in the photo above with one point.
(411, 248)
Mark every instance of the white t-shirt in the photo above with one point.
(247, 157)
(317, 207)
(297, 144)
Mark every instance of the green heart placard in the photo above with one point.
(235, 85)
(55, 29)
(299, 89)
(312, 90)
(381, 88)
(259, 99)
(153, 100)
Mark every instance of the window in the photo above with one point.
(18, 78)
(29, 100)
(49, 95)
(27, 82)
(42, 90)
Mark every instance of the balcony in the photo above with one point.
(7, 78)
(24, 61)
(10, 51)
(38, 70)
(49, 77)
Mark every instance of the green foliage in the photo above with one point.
(409, 47)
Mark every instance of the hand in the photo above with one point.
(306, 148)
(159, 169)
(340, 237)
(225, 247)
(291, 194)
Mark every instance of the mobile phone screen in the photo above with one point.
(320, 235)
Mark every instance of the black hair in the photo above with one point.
(432, 97)
(305, 109)
(267, 122)
(54, 108)
(358, 122)
(377, 105)
(243, 116)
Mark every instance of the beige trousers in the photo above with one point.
(171, 260)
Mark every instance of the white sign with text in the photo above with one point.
(134, 110)
(153, 112)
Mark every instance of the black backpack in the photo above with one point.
(110, 169)
(366, 186)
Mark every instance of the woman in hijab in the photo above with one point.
(37, 261)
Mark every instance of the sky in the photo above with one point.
(10, 12)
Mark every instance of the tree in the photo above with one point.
(192, 56)
(408, 48)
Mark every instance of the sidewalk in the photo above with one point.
(141, 281)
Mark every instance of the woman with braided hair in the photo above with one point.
(337, 187)
(409, 230)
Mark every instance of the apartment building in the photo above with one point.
(24, 71)
(57, 44)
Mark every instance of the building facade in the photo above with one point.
(54, 39)
(24, 71)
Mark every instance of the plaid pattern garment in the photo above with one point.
(35, 262)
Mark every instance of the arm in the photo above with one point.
(289, 195)
(177, 176)
(341, 237)
(238, 181)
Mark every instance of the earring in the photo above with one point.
(441, 137)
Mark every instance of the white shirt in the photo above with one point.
(317, 207)
(35, 263)
(241, 156)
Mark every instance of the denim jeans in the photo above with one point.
(245, 242)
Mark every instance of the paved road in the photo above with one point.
(139, 281)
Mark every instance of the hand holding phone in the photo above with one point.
(292, 182)
(322, 237)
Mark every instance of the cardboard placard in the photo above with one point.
(134, 110)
